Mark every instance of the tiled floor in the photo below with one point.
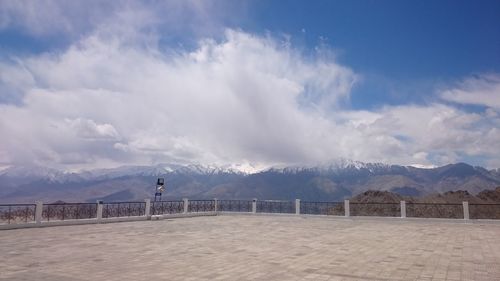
(254, 248)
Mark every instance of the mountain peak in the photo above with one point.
(330, 181)
(341, 164)
(30, 171)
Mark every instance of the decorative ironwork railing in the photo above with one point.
(69, 211)
(27, 213)
(275, 206)
(234, 205)
(434, 210)
(375, 209)
(123, 209)
(322, 208)
(17, 213)
(196, 206)
(484, 211)
(166, 207)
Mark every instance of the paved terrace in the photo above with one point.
(254, 247)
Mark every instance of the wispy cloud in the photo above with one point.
(49, 17)
(117, 95)
(72, 19)
(229, 100)
(481, 90)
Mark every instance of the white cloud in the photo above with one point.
(74, 19)
(88, 129)
(14, 81)
(483, 90)
(52, 17)
(439, 132)
(225, 101)
(116, 96)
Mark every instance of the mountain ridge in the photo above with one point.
(333, 181)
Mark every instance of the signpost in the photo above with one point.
(160, 187)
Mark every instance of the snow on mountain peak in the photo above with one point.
(337, 165)
(212, 169)
(34, 172)
(53, 175)
(421, 166)
(30, 171)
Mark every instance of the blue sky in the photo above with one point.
(347, 74)
(403, 46)
(401, 39)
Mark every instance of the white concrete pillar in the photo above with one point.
(254, 205)
(465, 205)
(297, 206)
(186, 205)
(215, 205)
(38, 212)
(99, 210)
(403, 209)
(346, 208)
(147, 212)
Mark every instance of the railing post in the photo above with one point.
(347, 212)
(254, 205)
(215, 205)
(297, 206)
(147, 212)
(465, 205)
(38, 212)
(403, 209)
(186, 205)
(99, 210)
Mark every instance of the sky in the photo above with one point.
(99, 84)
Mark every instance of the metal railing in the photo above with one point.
(484, 211)
(123, 209)
(166, 207)
(69, 211)
(375, 209)
(322, 208)
(275, 206)
(40, 213)
(435, 210)
(17, 213)
(234, 205)
(196, 206)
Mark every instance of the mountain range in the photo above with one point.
(335, 181)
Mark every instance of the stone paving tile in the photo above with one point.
(254, 248)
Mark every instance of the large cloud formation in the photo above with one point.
(118, 96)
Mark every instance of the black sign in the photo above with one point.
(160, 182)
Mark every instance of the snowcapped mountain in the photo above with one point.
(123, 171)
(39, 173)
(35, 173)
(342, 166)
(331, 181)
(31, 171)
(208, 170)
(334, 167)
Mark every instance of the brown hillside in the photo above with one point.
(490, 196)
(376, 196)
